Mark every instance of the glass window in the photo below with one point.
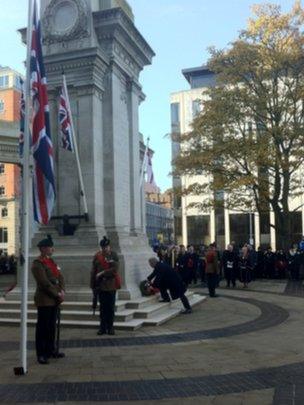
(18, 81)
(2, 168)
(4, 212)
(196, 108)
(240, 228)
(296, 225)
(198, 228)
(4, 81)
(1, 106)
(175, 124)
(2, 190)
(3, 235)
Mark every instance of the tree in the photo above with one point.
(248, 140)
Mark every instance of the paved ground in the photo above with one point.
(244, 347)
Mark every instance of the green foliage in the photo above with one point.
(249, 138)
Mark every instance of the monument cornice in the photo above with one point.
(77, 59)
(107, 22)
(88, 67)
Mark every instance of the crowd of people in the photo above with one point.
(236, 263)
(8, 263)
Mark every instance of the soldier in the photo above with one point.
(105, 280)
(49, 295)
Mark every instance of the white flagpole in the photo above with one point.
(144, 164)
(82, 191)
(26, 191)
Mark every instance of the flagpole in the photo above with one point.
(82, 190)
(144, 163)
(26, 190)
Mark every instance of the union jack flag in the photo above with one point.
(65, 120)
(42, 148)
(22, 118)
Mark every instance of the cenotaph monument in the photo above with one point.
(102, 53)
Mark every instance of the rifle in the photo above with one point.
(94, 300)
(58, 330)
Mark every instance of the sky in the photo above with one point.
(179, 32)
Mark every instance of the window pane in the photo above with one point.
(198, 228)
(3, 81)
(3, 235)
(4, 212)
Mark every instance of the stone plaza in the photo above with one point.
(244, 347)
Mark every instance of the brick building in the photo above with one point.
(10, 91)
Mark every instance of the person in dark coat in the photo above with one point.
(245, 267)
(269, 263)
(294, 262)
(281, 263)
(155, 279)
(260, 263)
(191, 264)
(181, 265)
(168, 279)
(50, 292)
(230, 263)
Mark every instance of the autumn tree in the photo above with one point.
(248, 140)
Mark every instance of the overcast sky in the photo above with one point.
(179, 31)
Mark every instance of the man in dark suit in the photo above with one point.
(165, 278)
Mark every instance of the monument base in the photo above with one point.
(74, 255)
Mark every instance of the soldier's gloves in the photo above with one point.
(61, 296)
(99, 275)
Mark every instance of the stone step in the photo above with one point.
(145, 311)
(173, 311)
(134, 324)
(120, 316)
(67, 305)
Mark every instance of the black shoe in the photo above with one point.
(58, 355)
(42, 360)
(168, 300)
(101, 332)
(186, 311)
(111, 332)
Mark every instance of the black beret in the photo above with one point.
(104, 242)
(47, 242)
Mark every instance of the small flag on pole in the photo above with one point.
(66, 131)
(42, 148)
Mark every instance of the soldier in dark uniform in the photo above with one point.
(105, 280)
(49, 295)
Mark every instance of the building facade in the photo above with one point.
(159, 224)
(10, 182)
(223, 226)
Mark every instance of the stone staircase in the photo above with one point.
(129, 315)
